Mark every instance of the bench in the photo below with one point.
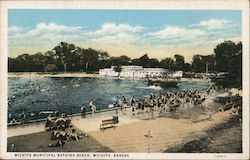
(230, 105)
(109, 123)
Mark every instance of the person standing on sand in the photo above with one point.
(93, 107)
(124, 105)
(22, 117)
(83, 111)
(132, 101)
(49, 120)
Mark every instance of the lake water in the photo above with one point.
(69, 94)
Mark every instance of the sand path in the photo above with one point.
(166, 132)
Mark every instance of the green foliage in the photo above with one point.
(229, 59)
(146, 62)
(68, 57)
(26, 62)
(117, 69)
(179, 61)
(200, 63)
(186, 67)
(50, 68)
(168, 63)
(224, 53)
(122, 60)
(66, 54)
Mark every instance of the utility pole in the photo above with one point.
(149, 136)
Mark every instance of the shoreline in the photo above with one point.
(50, 75)
(82, 75)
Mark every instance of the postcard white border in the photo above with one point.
(242, 5)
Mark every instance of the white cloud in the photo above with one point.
(109, 33)
(121, 39)
(213, 23)
(112, 39)
(43, 28)
(172, 33)
(14, 29)
(43, 34)
(112, 28)
(56, 27)
(115, 34)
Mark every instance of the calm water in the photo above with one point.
(68, 94)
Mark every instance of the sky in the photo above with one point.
(159, 33)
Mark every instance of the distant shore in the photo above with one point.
(51, 74)
(78, 74)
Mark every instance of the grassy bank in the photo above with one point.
(38, 142)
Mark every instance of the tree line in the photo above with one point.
(68, 57)
(227, 57)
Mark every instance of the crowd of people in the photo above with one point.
(162, 102)
(61, 121)
(92, 107)
(62, 137)
(170, 101)
(18, 120)
(33, 88)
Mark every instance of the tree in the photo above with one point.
(200, 63)
(146, 62)
(208, 62)
(50, 67)
(228, 57)
(235, 68)
(38, 63)
(49, 59)
(122, 60)
(197, 64)
(153, 63)
(142, 61)
(223, 55)
(12, 62)
(24, 63)
(117, 69)
(168, 63)
(102, 55)
(179, 61)
(90, 57)
(186, 67)
(65, 53)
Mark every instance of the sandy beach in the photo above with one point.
(166, 133)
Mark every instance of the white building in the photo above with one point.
(155, 72)
(139, 72)
(176, 74)
(131, 67)
(130, 71)
(108, 72)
